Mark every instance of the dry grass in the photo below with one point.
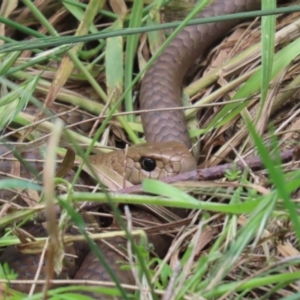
(241, 239)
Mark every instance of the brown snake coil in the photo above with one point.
(160, 89)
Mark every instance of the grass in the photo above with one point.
(241, 240)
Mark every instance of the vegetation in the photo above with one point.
(241, 239)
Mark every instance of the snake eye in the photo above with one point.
(148, 164)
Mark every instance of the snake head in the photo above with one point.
(151, 160)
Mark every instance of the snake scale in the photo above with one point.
(161, 88)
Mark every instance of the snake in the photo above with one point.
(167, 150)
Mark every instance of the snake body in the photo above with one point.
(161, 88)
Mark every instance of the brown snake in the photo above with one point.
(161, 88)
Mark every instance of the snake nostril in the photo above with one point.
(148, 164)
